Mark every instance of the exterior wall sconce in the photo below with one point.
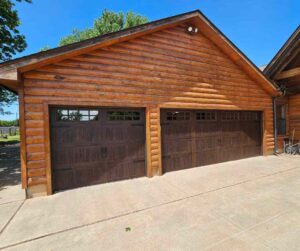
(192, 30)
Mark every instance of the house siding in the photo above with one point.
(294, 115)
(165, 69)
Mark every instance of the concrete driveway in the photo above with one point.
(251, 204)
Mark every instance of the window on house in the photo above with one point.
(281, 119)
(77, 115)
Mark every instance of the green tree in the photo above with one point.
(45, 48)
(11, 41)
(108, 22)
(6, 98)
(9, 122)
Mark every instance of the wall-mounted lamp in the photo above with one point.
(192, 30)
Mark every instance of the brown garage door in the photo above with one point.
(91, 146)
(196, 138)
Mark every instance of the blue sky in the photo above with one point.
(258, 27)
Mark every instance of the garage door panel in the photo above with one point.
(75, 155)
(63, 179)
(114, 133)
(206, 128)
(177, 130)
(76, 135)
(175, 147)
(83, 174)
(205, 158)
(117, 171)
(138, 168)
(127, 170)
(101, 150)
(135, 131)
(206, 143)
(177, 162)
(210, 137)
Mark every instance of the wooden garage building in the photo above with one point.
(284, 69)
(164, 96)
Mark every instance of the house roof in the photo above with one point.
(287, 52)
(10, 70)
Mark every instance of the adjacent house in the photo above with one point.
(171, 94)
(284, 69)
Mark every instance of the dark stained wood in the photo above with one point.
(177, 142)
(289, 73)
(92, 152)
(207, 137)
(294, 115)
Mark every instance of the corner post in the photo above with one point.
(153, 141)
(22, 136)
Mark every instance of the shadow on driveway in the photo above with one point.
(10, 174)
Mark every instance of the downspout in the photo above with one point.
(275, 126)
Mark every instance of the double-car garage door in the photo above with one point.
(98, 145)
(196, 138)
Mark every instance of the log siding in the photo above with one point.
(294, 115)
(165, 69)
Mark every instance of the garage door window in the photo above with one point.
(123, 115)
(207, 116)
(77, 115)
(230, 116)
(249, 116)
(178, 115)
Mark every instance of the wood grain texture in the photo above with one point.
(289, 73)
(165, 69)
(23, 137)
(294, 115)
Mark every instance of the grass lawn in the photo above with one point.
(11, 139)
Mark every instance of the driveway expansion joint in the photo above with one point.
(13, 201)
(247, 229)
(140, 210)
(11, 218)
(176, 187)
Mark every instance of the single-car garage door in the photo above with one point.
(196, 138)
(92, 146)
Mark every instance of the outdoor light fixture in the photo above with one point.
(192, 30)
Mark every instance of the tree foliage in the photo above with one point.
(11, 41)
(45, 48)
(108, 22)
(6, 98)
(9, 122)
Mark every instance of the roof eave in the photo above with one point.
(208, 28)
(280, 60)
